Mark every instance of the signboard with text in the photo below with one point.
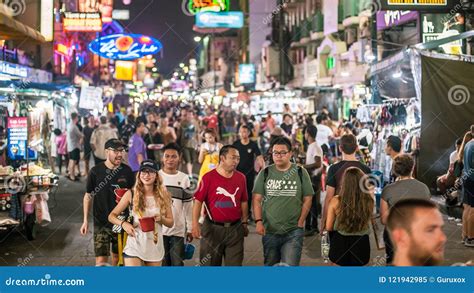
(105, 7)
(196, 6)
(82, 22)
(246, 73)
(438, 26)
(91, 98)
(232, 19)
(17, 137)
(424, 5)
(125, 46)
(391, 18)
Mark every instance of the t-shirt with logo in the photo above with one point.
(283, 194)
(248, 153)
(101, 184)
(223, 196)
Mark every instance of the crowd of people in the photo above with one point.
(250, 172)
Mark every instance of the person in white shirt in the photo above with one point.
(99, 136)
(177, 183)
(314, 157)
(324, 132)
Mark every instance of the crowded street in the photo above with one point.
(225, 133)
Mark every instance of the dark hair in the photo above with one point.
(281, 140)
(103, 119)
(395, 143)
(348, 144)
(287, 115)
(459, 141)
(57, 132)
(312, 131)
(403, 165)
(245, 127)
(155, 123)
(225, 150)
(209, 131)
(402, 213)
(321, 117)
(172, 146)
(74, 115)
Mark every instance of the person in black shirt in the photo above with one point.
(249, 154)
(102, 182)
(348, 147)
(87, 131)
(153, 137)
(287, 125)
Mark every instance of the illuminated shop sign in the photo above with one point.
(82, 22)
(425, 5)
(232, 19)
(13, 69)
(196, 6)
(125, 46)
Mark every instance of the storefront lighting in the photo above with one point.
(154, 69)
(175, 74)
(397, 74)
(181, 65)
(197, 39)
(345, 74)
(182, 77)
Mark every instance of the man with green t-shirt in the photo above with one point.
(282, 200)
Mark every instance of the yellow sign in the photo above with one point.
(418, 2)
(124, 70)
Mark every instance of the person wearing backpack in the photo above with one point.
(282, 198)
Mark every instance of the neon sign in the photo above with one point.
(125, 46)
(196, 6)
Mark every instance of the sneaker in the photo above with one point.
(469, 242)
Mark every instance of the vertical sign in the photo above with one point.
(17, 137)
(47, 19)
(330, 9)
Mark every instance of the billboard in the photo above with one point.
(233, 19)
(125, 46)
(196, 6)
(246, 73)
(424, 5)
(105, 7)
(82, 22)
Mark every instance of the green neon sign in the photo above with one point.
(196, 6)
(330, 63)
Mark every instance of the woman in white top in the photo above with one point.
(149, 199)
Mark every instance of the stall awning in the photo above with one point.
(11, 29)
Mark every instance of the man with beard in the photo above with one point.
(102, 182)
(416, 230)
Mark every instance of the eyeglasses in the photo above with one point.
(280, 154)
(116, 151)
(148, 172)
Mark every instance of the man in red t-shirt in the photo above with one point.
(211, 121)
(223, 192)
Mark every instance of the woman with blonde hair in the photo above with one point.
(150, 206)
(348, 221)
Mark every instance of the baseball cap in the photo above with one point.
(149, 165)
(114, 144)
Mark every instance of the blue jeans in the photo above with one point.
(285, 248)
(174, 251)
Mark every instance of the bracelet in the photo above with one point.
(258, 220)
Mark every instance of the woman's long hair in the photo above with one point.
(161, 195)
(467, 138)
(356, 203)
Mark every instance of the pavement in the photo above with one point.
(60, 243)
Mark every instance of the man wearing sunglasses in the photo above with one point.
(102, 181)
(282, 198)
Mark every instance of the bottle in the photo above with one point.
(325, 246)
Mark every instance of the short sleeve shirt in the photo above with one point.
(248, 153)
(283, 194)
(223, 196)
(136, 146)
(314, 150)
(336, 173)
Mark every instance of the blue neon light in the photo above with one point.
(231, 19)
(125, 46)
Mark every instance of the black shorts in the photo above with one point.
(468, 192)
(349, 250)
(75, 155)
(87, 154)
